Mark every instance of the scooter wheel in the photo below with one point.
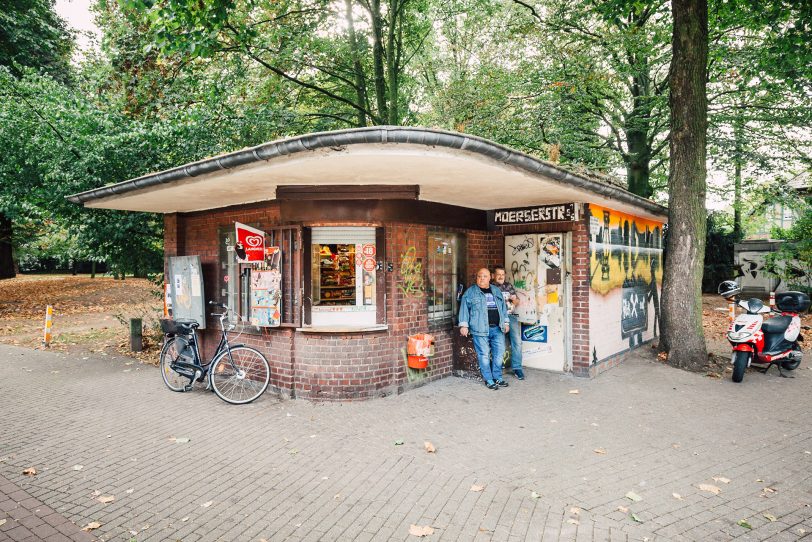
(740, 360)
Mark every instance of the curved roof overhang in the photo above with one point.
(448, 167)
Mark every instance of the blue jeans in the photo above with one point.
(515, 342)
(489, 352)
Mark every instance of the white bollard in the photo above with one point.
(49, 314)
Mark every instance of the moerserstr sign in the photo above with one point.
(562, 212)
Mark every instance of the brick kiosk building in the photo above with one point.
(379, 229)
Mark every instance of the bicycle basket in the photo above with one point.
(177, 327)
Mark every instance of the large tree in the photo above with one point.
(683, 337)
(31, 35)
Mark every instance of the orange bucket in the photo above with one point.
(417, 362)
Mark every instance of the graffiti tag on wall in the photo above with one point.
(411, 273)
(626, 255)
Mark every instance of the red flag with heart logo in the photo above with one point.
(250, 246)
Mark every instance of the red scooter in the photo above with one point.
(773, 341)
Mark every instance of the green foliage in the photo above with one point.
(792, 262)
(33, 35)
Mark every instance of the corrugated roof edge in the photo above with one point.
(377, 134)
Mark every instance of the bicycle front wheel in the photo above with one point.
(169, 355)
(240, 375)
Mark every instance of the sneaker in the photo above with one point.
(502, 383)
(518, 373)
(491, 385)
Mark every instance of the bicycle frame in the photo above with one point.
(222, 346)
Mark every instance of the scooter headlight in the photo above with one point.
(739, 335)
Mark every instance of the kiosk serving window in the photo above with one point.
(343, 276)
(446, 258)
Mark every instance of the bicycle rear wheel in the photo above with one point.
(169, 355)
(241, 377)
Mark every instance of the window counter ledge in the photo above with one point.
(342, 329)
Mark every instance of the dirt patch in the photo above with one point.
(90, 314)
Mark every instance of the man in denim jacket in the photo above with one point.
(484, 313)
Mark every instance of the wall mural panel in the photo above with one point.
(626, 255)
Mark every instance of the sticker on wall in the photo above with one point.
(266, 291)
(534, 333)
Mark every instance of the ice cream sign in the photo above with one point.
(250, 245)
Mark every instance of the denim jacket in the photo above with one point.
(474, 310)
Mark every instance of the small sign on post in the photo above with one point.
(49, 314)
(136, 337)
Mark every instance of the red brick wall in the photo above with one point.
(333, 366)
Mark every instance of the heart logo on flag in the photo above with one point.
(254, 241)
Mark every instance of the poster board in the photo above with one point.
(186, 289)
(266, 290)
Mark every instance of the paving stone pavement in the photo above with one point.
(294, 470)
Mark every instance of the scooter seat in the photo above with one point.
(776, 324)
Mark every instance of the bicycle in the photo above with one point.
(238, 374)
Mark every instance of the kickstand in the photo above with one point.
(782, 372)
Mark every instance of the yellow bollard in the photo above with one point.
(49, 314)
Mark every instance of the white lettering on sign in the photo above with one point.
(565, 212)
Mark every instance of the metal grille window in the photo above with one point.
(446, 256)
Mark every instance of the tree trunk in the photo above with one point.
(377, 58)
(7, 270)
(392, 59)
(93, 269)
(738, 136)
(637, 126)
(358, 69)
(683, 337)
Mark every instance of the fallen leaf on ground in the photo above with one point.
(293, 451)
(106, 499)
(721, 479)
(623, 509)
(398, 443)
(96, 493)
(420, 530)
(635, 518)
(477, 488)
(183, 520)
(91, 526)
(130, 490)
(30, 471)
(709, 488)
(2, 522)
(662, 356)
(600, 451)
(206, 504)
(535, 495)
(574, 392)
(770, 517)
(743, 523)
(429, 447)
(575, 511)
(631, 495)
(573, 521)
(768, 490)
(78, 467)
(181, 440)
(677, 496)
